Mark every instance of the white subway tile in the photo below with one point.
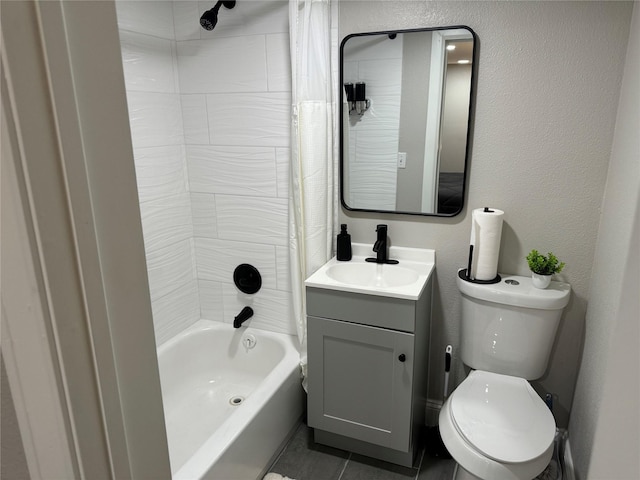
(283, 274)
(194, 118)
(382, 77)
(271, 309)
(175, 311)
(160, 171)
(279, 62)
(149, 17)
(211, 305)
(156, 119)
(253, 219)
(186, 20)
(170, 267)
(384, 114)
(235, 64)
(283, 163)
(232, 170)
(174, 63)
(350, 72)
(373, 187)
(217, 260)
(377, 146)
(147, 63)
(203, 210)
(166, 221)
(260, 119)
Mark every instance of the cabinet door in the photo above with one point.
(360, 381)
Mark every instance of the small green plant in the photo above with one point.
(542, 265)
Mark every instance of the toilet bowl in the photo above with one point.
(494, 424)
(497, 427)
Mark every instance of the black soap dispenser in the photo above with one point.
(343, 244)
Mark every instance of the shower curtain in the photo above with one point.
(312, 203)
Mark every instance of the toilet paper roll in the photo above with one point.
(486, 231)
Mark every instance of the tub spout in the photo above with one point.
(243, 316)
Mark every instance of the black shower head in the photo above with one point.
(209, 18)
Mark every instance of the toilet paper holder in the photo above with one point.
(465, 273)
(486, 228)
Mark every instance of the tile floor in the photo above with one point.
(303, 459)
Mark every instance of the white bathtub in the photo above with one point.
(228, 408)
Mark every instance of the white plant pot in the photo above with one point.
(540, 281)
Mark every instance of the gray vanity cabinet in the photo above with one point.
(367, 371)
(366, 390)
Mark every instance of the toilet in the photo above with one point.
(494, 424)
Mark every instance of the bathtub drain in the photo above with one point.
(236, 400)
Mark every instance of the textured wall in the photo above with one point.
(235, 88)
(548, 82)
(210, 124)
(373, 137)
(151, 79)
(605, 417)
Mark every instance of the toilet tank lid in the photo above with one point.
(518, 291)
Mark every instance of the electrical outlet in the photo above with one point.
(402, 160)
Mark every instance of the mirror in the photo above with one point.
(405, 115)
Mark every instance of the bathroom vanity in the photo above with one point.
(368, 331)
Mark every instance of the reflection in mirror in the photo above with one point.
(405, 115)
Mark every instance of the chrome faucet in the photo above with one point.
(381, 247)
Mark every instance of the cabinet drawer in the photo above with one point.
(384, 312)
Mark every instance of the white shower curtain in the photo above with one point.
(312, 203)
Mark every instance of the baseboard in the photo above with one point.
(432, 412)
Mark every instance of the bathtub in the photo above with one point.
(231, 398)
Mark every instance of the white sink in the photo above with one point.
(404, 280)
(372, 274)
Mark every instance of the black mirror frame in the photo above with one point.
(470, 122)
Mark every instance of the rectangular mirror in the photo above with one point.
(406, 107)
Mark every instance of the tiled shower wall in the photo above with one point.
(151, 78)
(209, 116)
(374, 137)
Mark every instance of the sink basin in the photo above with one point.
(405, 280)
(372, 274)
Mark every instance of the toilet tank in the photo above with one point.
(509, 327)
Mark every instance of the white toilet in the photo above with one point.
(494, 424)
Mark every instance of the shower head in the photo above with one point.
(209, 18)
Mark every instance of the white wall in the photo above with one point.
(212, 156)
(605, 416)
(548, 82)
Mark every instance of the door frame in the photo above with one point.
(78, 338)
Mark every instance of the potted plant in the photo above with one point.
(543, 267)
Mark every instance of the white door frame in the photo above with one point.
(77, 334)
(437, 72)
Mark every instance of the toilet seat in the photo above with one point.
(502, 417)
